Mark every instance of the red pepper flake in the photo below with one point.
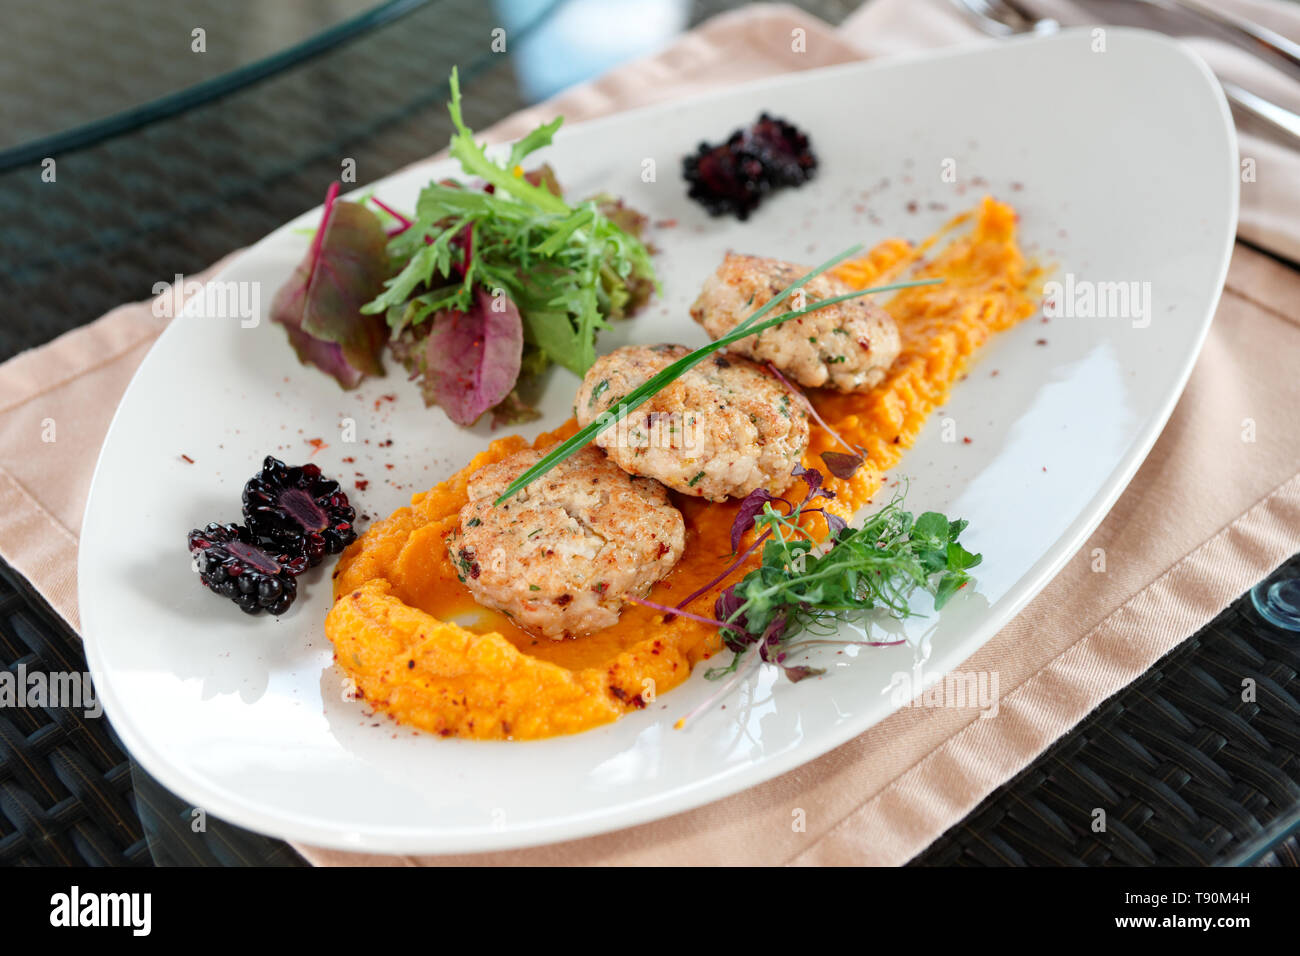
(1016, 187)
(912, 206)
(965, 441)
(1041, 342)
(187, 458)
(362, 485)
(666, 224)
(389, 467)
(317, 444)
(993, 374)
(349, 460)
(386, 444)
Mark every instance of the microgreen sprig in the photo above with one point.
(804, 586)
(753, 325)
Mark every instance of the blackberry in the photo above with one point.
(296, 507)
(233, 563)
(737, 175)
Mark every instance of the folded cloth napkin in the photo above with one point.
(1215, 507)
(1270, 197)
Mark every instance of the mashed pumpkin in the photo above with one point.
(420, 649)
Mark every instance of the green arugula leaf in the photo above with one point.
(569, 269)
(474, 159)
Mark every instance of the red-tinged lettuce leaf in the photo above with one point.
(813, 479)
(513, 410)
(320, 305)
(834, 523)
(471, 359)
(409, 349)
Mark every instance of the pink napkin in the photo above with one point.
(1208, 514)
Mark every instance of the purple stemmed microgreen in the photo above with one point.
(561, 270)
(750, 507)
(799, 646)
(804, 585)
(840, 464)
(739, 560)
(672, 612)
(403, 223)
(568, 266)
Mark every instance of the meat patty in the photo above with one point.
(720, 430)
(561, 555)
(848, 346)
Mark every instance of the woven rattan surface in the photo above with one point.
(65, 784)
(1186, 767)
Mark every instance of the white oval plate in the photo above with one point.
(1123, 166)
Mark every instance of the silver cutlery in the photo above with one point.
(1004, 18)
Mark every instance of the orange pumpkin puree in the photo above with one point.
(422, 650)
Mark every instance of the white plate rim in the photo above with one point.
(228, 805)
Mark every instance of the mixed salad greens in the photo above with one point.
(490, 281)
(806, 585)
(804, 588)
